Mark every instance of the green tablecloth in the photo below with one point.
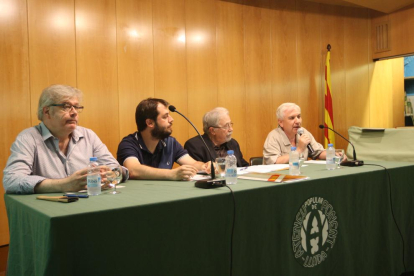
(173, 228)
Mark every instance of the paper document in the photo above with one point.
(200, 177)
(265, 168)
(322, 162)
(273, 177)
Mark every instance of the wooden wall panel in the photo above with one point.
(230, 66)
(200, 18)
(332, 32)
(51, 47)
(257, 49)
(397, 92)
(357, 62)
(401, 38)
(135, 59)
(309, 65)
(97, 68)
(386, 78)
(381, 104)
(14, 87)
(169, 60)
(284, 25)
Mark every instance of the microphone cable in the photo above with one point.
(392, 213)
(232, 230)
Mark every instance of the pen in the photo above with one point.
(77, 195)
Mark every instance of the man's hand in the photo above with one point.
(304, 140)
(105, 171)
(76, 182)
(207, 167)
(184, 172)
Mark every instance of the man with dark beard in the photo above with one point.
(151, 152)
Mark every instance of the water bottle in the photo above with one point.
(330, 157)
(93, 178)
(294, 162)
(231, 168)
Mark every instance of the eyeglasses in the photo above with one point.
(68, 107)
(225, 127)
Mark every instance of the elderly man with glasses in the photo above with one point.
(53, 156)
(218, 129)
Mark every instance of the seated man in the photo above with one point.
(279, 141)
(218, 128)
(150, 152)
(53, 156)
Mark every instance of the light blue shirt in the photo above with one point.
(35, 156)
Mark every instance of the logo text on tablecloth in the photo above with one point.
(314, 231)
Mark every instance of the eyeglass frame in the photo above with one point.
(69, 107)
(226, 127)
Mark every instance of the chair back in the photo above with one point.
(256, 161)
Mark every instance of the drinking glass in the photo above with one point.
(339, 156)
(301, 159)
(114, 176)
(221, 166)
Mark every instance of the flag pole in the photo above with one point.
(329, 120)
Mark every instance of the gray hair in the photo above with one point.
(56, 94)
(280, 112)
(212, 117)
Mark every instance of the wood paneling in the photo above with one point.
(386, 78)
(379, 93)
(230, 66)
(14, 86)
(169, 60)
(257, 49)
(135, 59)
(310, 63)
(4, 251)
(51, 46)
(397, 92)
(401, 38)
(332, 32)
(200, 18)
(284, 25)
(97, 68)
(357, 67)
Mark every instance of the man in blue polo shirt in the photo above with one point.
(151, 152)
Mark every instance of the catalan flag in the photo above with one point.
(329, 120)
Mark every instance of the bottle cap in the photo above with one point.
(330, 145)
(93, 159)
(230, 152)
(293, 148)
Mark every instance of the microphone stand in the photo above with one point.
(204, 184)
(348, 163)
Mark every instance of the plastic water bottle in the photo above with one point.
(330, 157)
(93, 178)
(294, 162)
(231, 168)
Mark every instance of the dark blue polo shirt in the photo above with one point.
(166, 153)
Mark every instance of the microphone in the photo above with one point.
(349, 163)
(310, 149)
(205, 184)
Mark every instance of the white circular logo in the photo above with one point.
(314, 231)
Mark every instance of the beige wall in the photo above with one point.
(197, 54)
